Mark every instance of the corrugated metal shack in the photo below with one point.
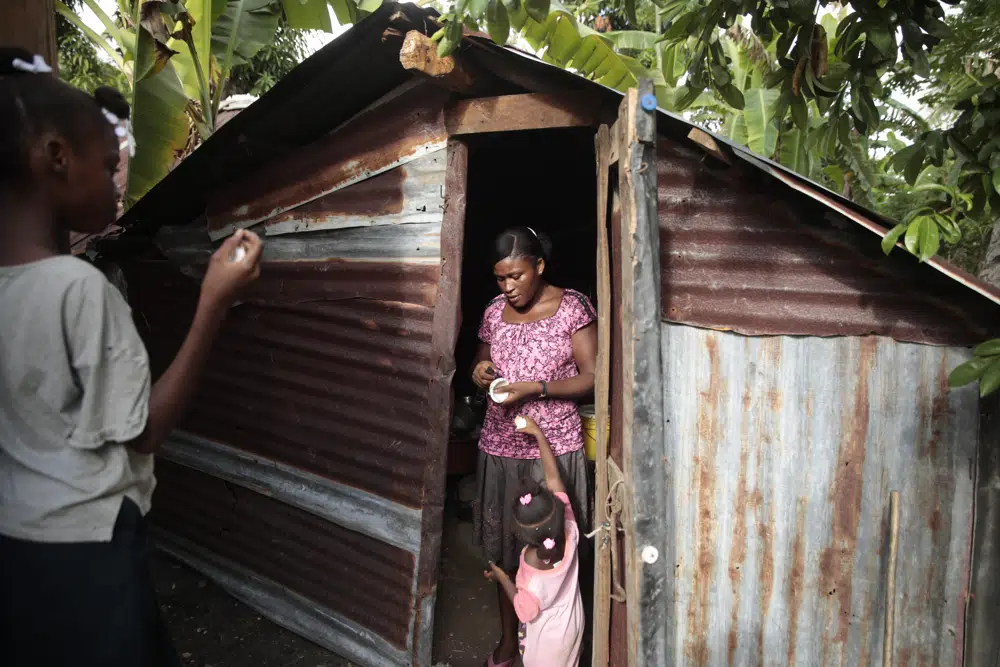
(769, 375)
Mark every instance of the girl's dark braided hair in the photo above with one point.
(34, 103)
(541, 518)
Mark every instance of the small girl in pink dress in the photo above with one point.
(547, 593)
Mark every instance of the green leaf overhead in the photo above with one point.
(311, 14)
(762, 133)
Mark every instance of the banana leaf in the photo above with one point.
(308, 14)
(195, 69)
(762, 134)
(634, 40)
(161, 128)
(568, 43)
(795, 151)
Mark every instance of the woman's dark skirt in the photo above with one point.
(83, 604)
(498, 479)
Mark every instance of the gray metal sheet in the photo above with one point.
(190, 247)
(346, 506)
(781, 454)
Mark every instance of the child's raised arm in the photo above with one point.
(553, 479)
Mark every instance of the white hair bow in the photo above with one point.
(123, 130)
(36, 66)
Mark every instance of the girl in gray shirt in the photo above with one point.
(80, 417)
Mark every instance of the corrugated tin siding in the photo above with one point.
(328, 372)
(781, 452)
(327, 383)
(319, 559)
(397, 130)
(741, 252)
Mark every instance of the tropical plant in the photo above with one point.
(177, 58)
(79, 64)
(270, 64)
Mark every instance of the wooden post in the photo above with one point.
(890, 577)
(645, 512)
(602, 541)
(31, 25)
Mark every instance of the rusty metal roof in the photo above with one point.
(355, 70)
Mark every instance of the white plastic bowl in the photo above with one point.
(495, 394)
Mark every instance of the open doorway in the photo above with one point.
(545, 180)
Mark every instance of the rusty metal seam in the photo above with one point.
(344, 505)
(417, 152)
(286, 608)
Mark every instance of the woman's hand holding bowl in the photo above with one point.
(518, 391)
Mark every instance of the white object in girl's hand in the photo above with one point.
(520, 423)
(239, 253)
(495, 394)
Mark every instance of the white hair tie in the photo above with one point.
(123, 130)
(532, 231)
(36, 66)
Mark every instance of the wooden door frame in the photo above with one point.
(447, 318)
(631, 143)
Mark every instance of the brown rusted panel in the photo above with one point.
(365, 580)
(410, 193)
(327, 369)
(335, 280)
(740, 252)
(399, 129)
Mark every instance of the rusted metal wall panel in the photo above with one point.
(741, 252)
(412, 192)
(325, 367)
(350, 574)
(349, 507)
(397, 132)
(782, 452)
(327, 393)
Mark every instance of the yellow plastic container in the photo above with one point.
(589, 421)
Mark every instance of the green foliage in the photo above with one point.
(984, 367)
(79, 65)
(178, 59)
(270, 64)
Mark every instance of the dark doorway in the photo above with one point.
(544, 180)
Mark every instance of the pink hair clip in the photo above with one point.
(525, 499)
(549, 543)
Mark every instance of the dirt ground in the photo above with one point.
(212, 629)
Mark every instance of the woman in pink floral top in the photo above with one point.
(542, 339)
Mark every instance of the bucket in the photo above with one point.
(588, 419)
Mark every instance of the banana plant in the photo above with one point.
(177, 56)
(553, 31)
